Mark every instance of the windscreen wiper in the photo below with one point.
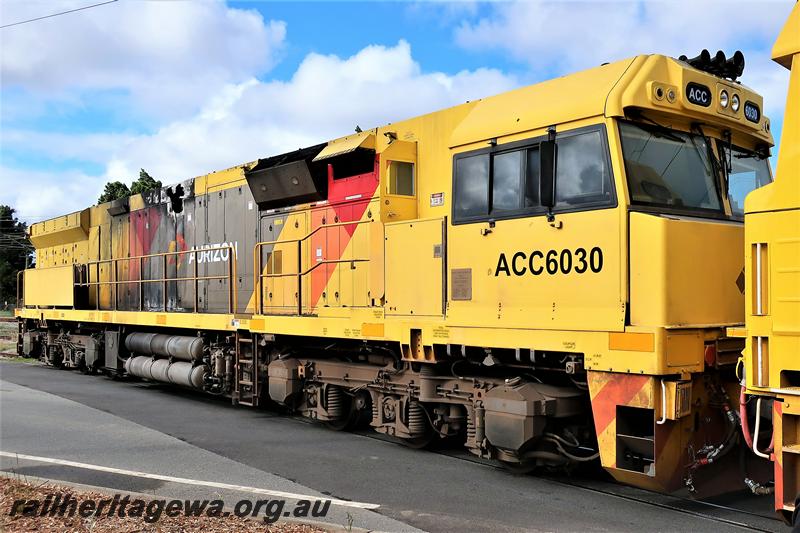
(658, 130)
(716, 165)
(749, 155)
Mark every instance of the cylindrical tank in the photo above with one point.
(162, 370)
(139, 366)
(187, 375)
(158, 344)
(159, 369)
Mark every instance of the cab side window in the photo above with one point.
(506, 183)
(582, 176)
(503, 181)
(401, 178)
(472, 186)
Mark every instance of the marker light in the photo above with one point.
(735, 102)
(723, 98)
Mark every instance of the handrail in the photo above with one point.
(115, 281)
(20, 282)
(323, 226)
(258, 266)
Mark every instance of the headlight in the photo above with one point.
(735, 102)
(723, 98)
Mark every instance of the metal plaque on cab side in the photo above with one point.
(461, 282)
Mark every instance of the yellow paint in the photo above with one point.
(412, 261)
(787, 45)
(772, 220)
(772, 282)
(60, 230)
(348, 144)
(205, 321)
(631, 342)
(372, 330)
(684, 271)
(684, 348)
(49, 286)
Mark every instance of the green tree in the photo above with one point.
(15, 253)
(144, 183)
(114, 190)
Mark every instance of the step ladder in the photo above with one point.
(246, 391)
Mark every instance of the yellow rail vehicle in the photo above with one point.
(546, 274)
(772, 265)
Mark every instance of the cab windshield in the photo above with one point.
(747, 171)
(669, 168)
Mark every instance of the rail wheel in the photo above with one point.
(520, 468)
(342, 408)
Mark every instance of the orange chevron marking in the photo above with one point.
(620, 389)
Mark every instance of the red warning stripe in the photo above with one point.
(619, 390)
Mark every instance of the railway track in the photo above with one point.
(714, 512)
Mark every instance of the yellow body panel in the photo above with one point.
(50, 286)
(772, 293)
(772, 247)
(221, 179)
(347, 144)
(60, 230)
(684, 272)
(415, 258)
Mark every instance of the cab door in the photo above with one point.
(513, 266)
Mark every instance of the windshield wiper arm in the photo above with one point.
(659, 130)
(749, 155)
(716, 165)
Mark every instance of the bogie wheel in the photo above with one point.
(346, 423)
(520, 468)
(420, 442)
(345, 405)
(796, 515)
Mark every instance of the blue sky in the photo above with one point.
(183, 88)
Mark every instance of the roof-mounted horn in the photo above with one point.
(718, 65)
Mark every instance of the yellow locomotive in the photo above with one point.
(548, 275)
(772, 297)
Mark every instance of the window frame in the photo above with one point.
(392, 174)
(525, 212)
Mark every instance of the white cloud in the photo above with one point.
(326, 98)
(169, 56)
(38, 195)
(573, 36)
(94, 148)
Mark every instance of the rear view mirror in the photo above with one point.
(547, 178)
